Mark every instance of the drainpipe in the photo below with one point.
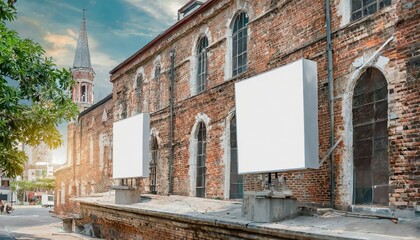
(171, 128)
(331, 95)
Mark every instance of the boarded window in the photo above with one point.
(240, 44)
(201, 161)
(370, 139)
(153, 164)
(202, 64)
(236, 181)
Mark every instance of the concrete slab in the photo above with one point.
(328, 225)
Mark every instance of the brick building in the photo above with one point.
(223, 42)
(375, 97)
(88, 169)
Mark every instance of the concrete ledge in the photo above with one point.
(222, 220)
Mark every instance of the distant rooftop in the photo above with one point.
(188, 8)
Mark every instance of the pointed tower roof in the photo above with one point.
(82, 56)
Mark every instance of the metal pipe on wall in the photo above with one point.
(171, 128)
(331, 95)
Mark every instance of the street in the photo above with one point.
(33, 222)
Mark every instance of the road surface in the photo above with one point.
(33, 222)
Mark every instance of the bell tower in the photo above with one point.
(82, 71)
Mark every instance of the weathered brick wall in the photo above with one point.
(89, 155)
(281, 32)
(116, 223)
(404, 139)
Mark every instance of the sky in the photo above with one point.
(116, 29)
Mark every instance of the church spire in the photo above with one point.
(82, 56)
(82, 71)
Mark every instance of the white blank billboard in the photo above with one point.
(277, 119)
(131, 147)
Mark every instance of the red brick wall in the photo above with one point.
(281, 32)
(89, 156)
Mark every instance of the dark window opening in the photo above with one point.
(83, 94)
(153, 165)
(201, 161)
(363, 8)
(157, 89)
(139, 81)
(370, 139)
(240, 44)
(202, 64)
(236, 180)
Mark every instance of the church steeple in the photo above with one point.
(82, 56)
(82, 71)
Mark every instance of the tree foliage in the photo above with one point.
(40, 185)
(34, 96)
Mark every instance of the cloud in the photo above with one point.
(59, 46)
(132, 28)
(163, 10)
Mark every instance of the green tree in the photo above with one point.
(40, 185)
(34, 96)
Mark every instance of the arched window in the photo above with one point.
(370, 139)
(202, 64)
(201, 161)
(236, 181)
(157, 89)
(83, 93)
(138, 93)
(240, 44)
(153, 164)
(139, 82)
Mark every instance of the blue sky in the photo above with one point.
(116, 29)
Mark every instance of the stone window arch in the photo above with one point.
(201, 160)
(240, 43)
(157, 75)
(83, 93)
(63, 193)
(236, 190)
(153, 164)
(370, 139)
(204, 33)
(202, 64)
(233, 183)
(239, 20)
(197, 149)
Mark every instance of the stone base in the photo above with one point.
(268, 207)
(126, 195)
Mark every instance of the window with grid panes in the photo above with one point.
(153, 164)
(370, 139)
(236, 180)
(363, 8)
(202, 64)
(240, 44)
(201, 161)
